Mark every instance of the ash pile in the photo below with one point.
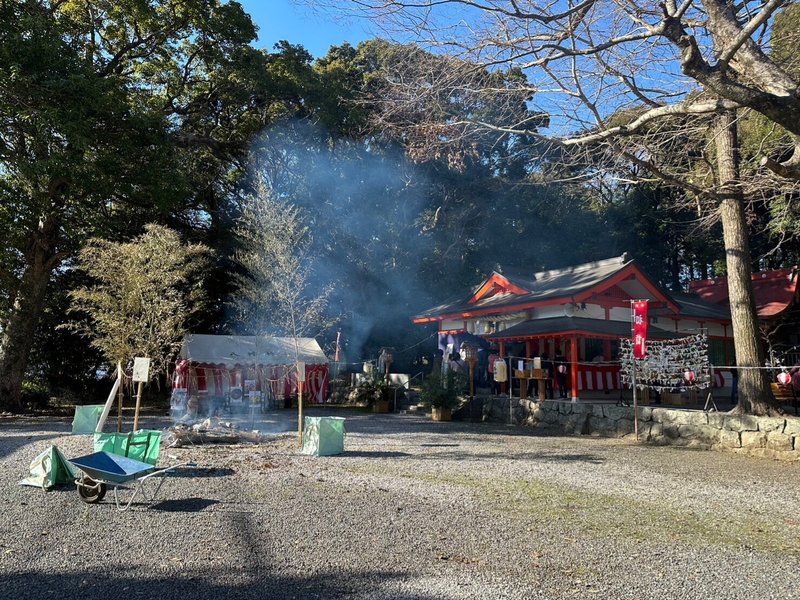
(210, 431)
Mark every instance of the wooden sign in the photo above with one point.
(141, 369)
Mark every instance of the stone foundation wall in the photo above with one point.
(773, 437)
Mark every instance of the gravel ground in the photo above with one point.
(412, 510)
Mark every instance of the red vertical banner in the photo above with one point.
(639, 318)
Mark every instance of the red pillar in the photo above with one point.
(573, 346)
(502, 349)
(528, 348)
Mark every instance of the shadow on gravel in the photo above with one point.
(466, 455)
(11, 443)
(208, 584)
(184, 505)
(564, 458)
(374, 454)
(202, 472)
(395, 424)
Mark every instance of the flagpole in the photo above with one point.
(633, 379)
(336, 358)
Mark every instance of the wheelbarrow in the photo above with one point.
(102, 470)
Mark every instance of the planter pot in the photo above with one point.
(441, 414)
(380, 406)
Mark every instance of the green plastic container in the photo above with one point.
(323, 436)
(143, 445)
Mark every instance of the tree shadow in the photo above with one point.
(212, 583)
(184, 505)
(11, 443)
(189, 471)
(528, 456)
(374, 454)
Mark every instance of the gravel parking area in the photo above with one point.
(412, 510)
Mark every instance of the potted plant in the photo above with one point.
(374, 393)
(442, 395)
(383, 392)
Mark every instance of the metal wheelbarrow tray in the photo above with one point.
(101, 470)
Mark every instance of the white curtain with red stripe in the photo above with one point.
(280, 379)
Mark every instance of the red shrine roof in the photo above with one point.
(775, 291)
(509, 292)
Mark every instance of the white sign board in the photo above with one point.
(301, 371)
(141, 369)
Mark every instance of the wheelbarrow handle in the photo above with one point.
(139, 486)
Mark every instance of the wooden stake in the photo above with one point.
(120, 393)
(138, 403)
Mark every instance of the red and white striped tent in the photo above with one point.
(219, 365)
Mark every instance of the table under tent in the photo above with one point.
(216, 374)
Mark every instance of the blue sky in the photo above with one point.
(297, 23)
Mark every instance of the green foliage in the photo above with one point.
(109, 117)
(786, 39)
(143, 295)
(35, 395)
(439, 393)
(60, 358)
(370, 391)
(665, 237)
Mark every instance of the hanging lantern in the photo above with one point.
(689, 376)
(470, 352)
(784, 378)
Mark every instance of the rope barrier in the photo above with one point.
(616, 363)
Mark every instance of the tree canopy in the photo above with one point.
(142, 297)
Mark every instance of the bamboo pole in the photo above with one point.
(120, 393)
(299, 412)
(138, 404)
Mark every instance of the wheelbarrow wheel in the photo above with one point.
(91, 491)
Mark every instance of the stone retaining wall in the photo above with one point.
(773, 437)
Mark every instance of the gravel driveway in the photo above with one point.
(413, 510)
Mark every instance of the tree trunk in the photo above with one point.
(17, 338)
(755, 396)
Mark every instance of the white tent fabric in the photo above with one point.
(241, 350)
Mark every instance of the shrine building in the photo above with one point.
(583, 310)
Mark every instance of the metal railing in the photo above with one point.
(407, 386)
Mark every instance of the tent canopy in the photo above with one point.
(246, 350)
